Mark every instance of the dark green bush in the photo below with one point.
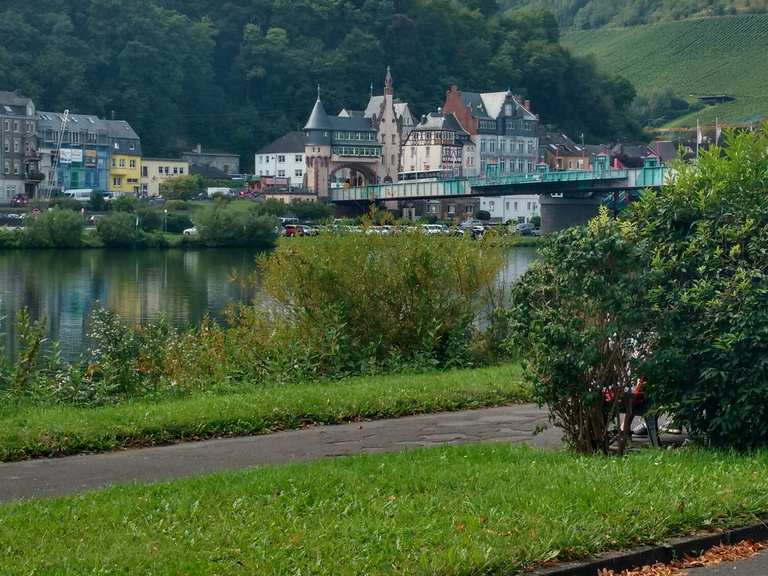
(310, 210)
(124, 203)
(176, 223)
(579, 323)
(97, 203)
(66, 203)
(150, 220)
(708, 233)
(118, 230)
(222, 224)
(54, 228)
(176, 205)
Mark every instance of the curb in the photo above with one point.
(663, 553)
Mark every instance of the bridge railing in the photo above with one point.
(639, 177)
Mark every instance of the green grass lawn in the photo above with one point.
(482, 509)
(33, 431)
(693, 57)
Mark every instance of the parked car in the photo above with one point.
(434, 229)
(524, 227)
(19, 200)
(309, 230)
(477, 231)
(293, 230)
(190, 231)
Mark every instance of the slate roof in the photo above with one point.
(291, 143)
(14, 103)
(440, 121)
(560, 143)
(89, 122)
(318, 119)
(489, 105)
(356, 123)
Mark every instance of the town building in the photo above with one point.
(559, 152)
(512, 209)
(438, 147)
(339, 151)
(283, 158)
(84, 155)
(288, 196)
(502, 126)
(155, 171)
(19, 163)
(211, 164)
(125, 159)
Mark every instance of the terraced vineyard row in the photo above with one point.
(724, 55)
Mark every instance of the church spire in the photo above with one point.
(388, 82)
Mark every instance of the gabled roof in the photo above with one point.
(88, 122)
(560, 144)
(121, 129)
(13, 99)
(440, 121)
(345, 113)
(474, 101)
(402, 110)
(318, 119)
(291, 143)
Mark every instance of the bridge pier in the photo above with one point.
(565, 210)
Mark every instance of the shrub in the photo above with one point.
(97, 203)
(181, 188)
(124, 203)
(66, 203)
(54, 229)
(360, 301)
(579, 324)
(221, 224)
(150, 220)
(708, 231)
(118, 230)
(311, 210)
(176, 223)
(176, 205)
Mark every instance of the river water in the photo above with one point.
(62, 286)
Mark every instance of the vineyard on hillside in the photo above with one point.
(724, 55)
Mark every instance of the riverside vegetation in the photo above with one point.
(343, 306)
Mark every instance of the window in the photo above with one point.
(515, 204)
(7, 125)
(298, 172)
(492, 205)
(281, 159)
(451, 209)
(492, 146)
(7, 167)
(159, 169)
(114, 163)
(394, 138)
(530, 166)
(281, 173)
(122, 163)
(181, 170)
(132, 163)
(508, 109)
(75, 137)
(394, 159)
(116, 146)
(530, 147)
(433, 208)
(16, 145)
(144, 171)
(116, 181)
(502, 165)
(507, 207)
(298, 158)
(131, 147)
(7, 145)
(15, 125)
(30, 127)
(175, 169)
(167, 170)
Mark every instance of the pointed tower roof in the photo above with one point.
(319, 119)
(388, 82)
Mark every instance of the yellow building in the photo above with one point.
(125, 159)
(155, 171)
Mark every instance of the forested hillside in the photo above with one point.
(584, 14)
(236, 74)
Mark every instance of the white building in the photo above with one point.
(515, 209)
(438, 144)
(283, 158)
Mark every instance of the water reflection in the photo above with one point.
(62, 286)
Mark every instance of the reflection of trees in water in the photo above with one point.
(63, 286)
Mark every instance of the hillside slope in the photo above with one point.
(586, 14)
(724, 55)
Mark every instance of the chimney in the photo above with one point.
(528, 105)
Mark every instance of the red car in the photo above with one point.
(19, 200)
(293, 230)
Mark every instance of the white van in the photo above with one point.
(79, 194)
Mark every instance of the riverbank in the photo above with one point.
(29, 431)
(478, 509)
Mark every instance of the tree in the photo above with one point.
(221, 224)
(182, 187)
(55, 228)
(118, 230)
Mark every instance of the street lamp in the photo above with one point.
(165, 220)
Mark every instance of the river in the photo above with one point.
(62, 286)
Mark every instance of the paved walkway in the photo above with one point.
(755, 566)
(61, 476)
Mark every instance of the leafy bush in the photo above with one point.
(579, 323)
(181, 188)
(54, 229)
(358, 300)
(176, 205)
(709, 231)
(311, 210)
(124, 203)
(66, 203)
(97, 203)
(118, 230)
(176, 223)
(150, 220)
(222, 224)
(273, 207)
